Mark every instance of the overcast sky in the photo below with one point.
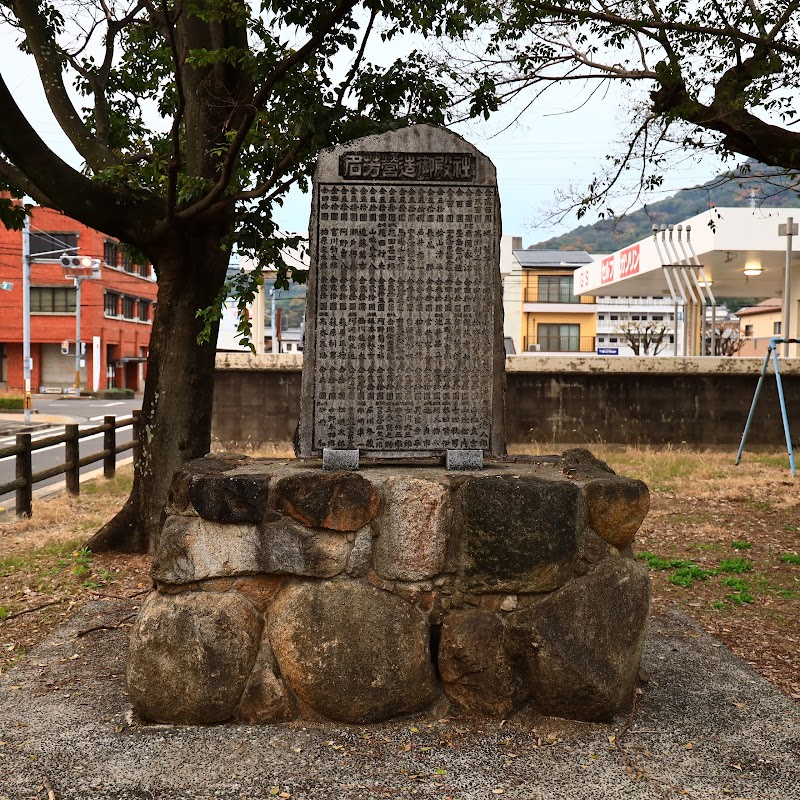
(550, 149)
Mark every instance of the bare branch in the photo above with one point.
(358, 59)
(651, 26)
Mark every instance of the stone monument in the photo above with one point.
(285, 591)
(404, 344)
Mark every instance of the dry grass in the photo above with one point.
(723, 544)
(46, 571)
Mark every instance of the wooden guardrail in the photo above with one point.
(23, 449)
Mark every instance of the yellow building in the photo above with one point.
(554, 319)
(758, 324)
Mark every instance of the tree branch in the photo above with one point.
(10, 174)
(742, 131)
(49, 60)
(175, 161)
(651, 26)
(299, 56)
(116, 212)
(357, 62)
(279, 170)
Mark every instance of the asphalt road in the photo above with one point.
(87, 413)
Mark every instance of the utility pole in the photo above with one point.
(788, 230)
(78, 281)
(27, 362)
(76, 267)
(26, 315)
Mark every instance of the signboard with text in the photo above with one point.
(629, 262)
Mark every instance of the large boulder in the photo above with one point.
(266, 697)
(339, 501)
(477, 675)
(353, 653)
(580, 647)
(190, 656)
(617, 507)
(193, 549)
(229, 498)
(413, 529)
(518, 534)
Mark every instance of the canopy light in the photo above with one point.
(752, 268)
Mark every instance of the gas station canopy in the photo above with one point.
(725, 241)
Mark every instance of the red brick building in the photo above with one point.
(116, 309)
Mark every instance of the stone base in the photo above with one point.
(283, 591)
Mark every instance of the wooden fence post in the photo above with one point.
(24, 471)
(72, 457)
(110, 446)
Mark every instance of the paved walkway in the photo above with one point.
(707, 727)
(14, 423)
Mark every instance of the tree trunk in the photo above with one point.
(178, 396)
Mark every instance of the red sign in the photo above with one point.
(629, 261)
(607, 270)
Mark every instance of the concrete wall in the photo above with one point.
(699, 401)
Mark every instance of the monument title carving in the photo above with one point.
(403, 292)
(407, 166)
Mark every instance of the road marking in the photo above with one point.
(55, 446)
(108, 405)
(34, 436)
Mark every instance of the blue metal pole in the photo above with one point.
(770, 349)
(783, 402)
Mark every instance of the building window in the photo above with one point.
(601, 316)
(144, 270)
(614, 317)
(658, 317)
(127, 263)
(52, 299)
(748, 330)
(53, 243)
(111, 254)
(560, 338)
(111, 304)
(144, 311)
(776, 328)
(128, 307)
(556, 289)
(613, 339)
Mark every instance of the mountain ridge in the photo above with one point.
(767, 186)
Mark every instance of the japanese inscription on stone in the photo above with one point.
(407, 166)
(403, 321)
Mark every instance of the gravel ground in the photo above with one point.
(705, 726)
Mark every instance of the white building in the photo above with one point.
(618, 314)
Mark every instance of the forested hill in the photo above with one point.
(734, 189)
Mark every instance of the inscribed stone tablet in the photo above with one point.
(404, 349)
